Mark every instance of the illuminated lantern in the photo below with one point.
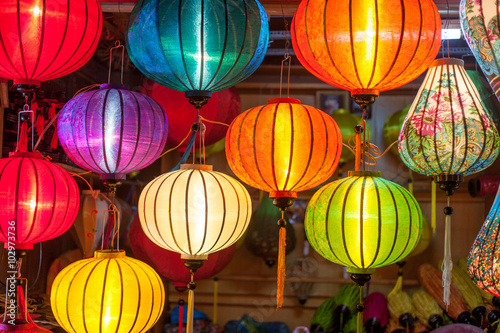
(483, 256)
(479, 22)
(40, 200)
(363, 222)
(225, 105)
(112, 131)
(44, 40)
(447, 130)
(366, 46)
(283, 147)
(194, 211)
(346, 122)
(108, 293)
(226, 45)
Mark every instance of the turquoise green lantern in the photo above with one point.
(197, 46)
(363, 222)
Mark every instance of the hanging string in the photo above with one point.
(213, 121)
(286, 56)
(433, 207)
(447, 265)
(190, 315)
(281, 261)
(216, 291)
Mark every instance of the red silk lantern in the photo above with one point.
(44, 40)
(39, 199)
(366, 46)
(224, 106)
(169, 264)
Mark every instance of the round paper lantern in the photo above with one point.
(283, 147)
(392, 127)
(447, 130)
(112, 131)
(44, 40)
(363, 222)
(346, 122)
(194, 211)
(224, 47)
(40, 200)
(366, 46)
(108, 293)
(224, 106)
(169, 264)
(479, 21)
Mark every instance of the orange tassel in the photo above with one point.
(281, 268)
(22, 145)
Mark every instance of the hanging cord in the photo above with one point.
(216, 292)
(286, 56)
(191, 287)
(22, 129)
(117, 46)
(447, 265)
(39, 268)
(281, 261)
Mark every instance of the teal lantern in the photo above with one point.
(197, 46)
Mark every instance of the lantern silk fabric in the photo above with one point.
(283, 146)
(40, 200)
(112, 131)
(363, 221)
(447, 130)
(366, 46)
(194, 211)
(44, 40)
(226, 45)
(107, 293)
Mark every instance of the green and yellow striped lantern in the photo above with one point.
(363, 222)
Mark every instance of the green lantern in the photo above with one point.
(392, 127)
(346, 122)
(363, 221)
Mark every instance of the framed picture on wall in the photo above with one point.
(330, 100)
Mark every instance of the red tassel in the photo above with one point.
(55, 139)
(181, 318)
(52, 111)
(22, 145)
(281, 268)
(39, 124)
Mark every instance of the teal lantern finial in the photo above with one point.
(197, 46)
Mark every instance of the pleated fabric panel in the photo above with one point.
(283, 146)
(363, 222)
(40, 200)
(448, 130)
(43, 40)
(366, 44)
(197, 44)
(107, 293)
(112, 131)
(194, 212)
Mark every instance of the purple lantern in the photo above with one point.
(112, 131)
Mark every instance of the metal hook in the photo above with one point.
(117, 46)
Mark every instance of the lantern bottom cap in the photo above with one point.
(357, 270)
(282, 194)
(185, 256)
(368, 93)
(27, 82)
(19, 246)
(109, 254)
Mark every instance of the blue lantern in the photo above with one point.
(197, 46)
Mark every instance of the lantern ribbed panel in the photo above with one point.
(479, 21)
(107, 293)
(194, 212)
(447, 130)
(40, 200)
(283, 146)
(44, 40)
(112, 131)
(363, 222)
(226, 45)
(366, 44)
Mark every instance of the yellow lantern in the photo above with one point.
(107, 293)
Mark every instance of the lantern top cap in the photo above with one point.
(447, 61)
(283, 100)
(364, 173)
(109, 254)
(202, 167)
(26, 154)
(114, 86)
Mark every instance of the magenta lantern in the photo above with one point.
(39, 199)
(112, 131)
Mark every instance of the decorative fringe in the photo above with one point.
(281, 268)
(216, 290)
(22, 145)
(433, 207)
(398, 287)
(181, 318)
(447, 265)
(55, 139)
(39, 124)
(190, 314)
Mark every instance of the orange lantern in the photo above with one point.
(366, 46)
(283, 147)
